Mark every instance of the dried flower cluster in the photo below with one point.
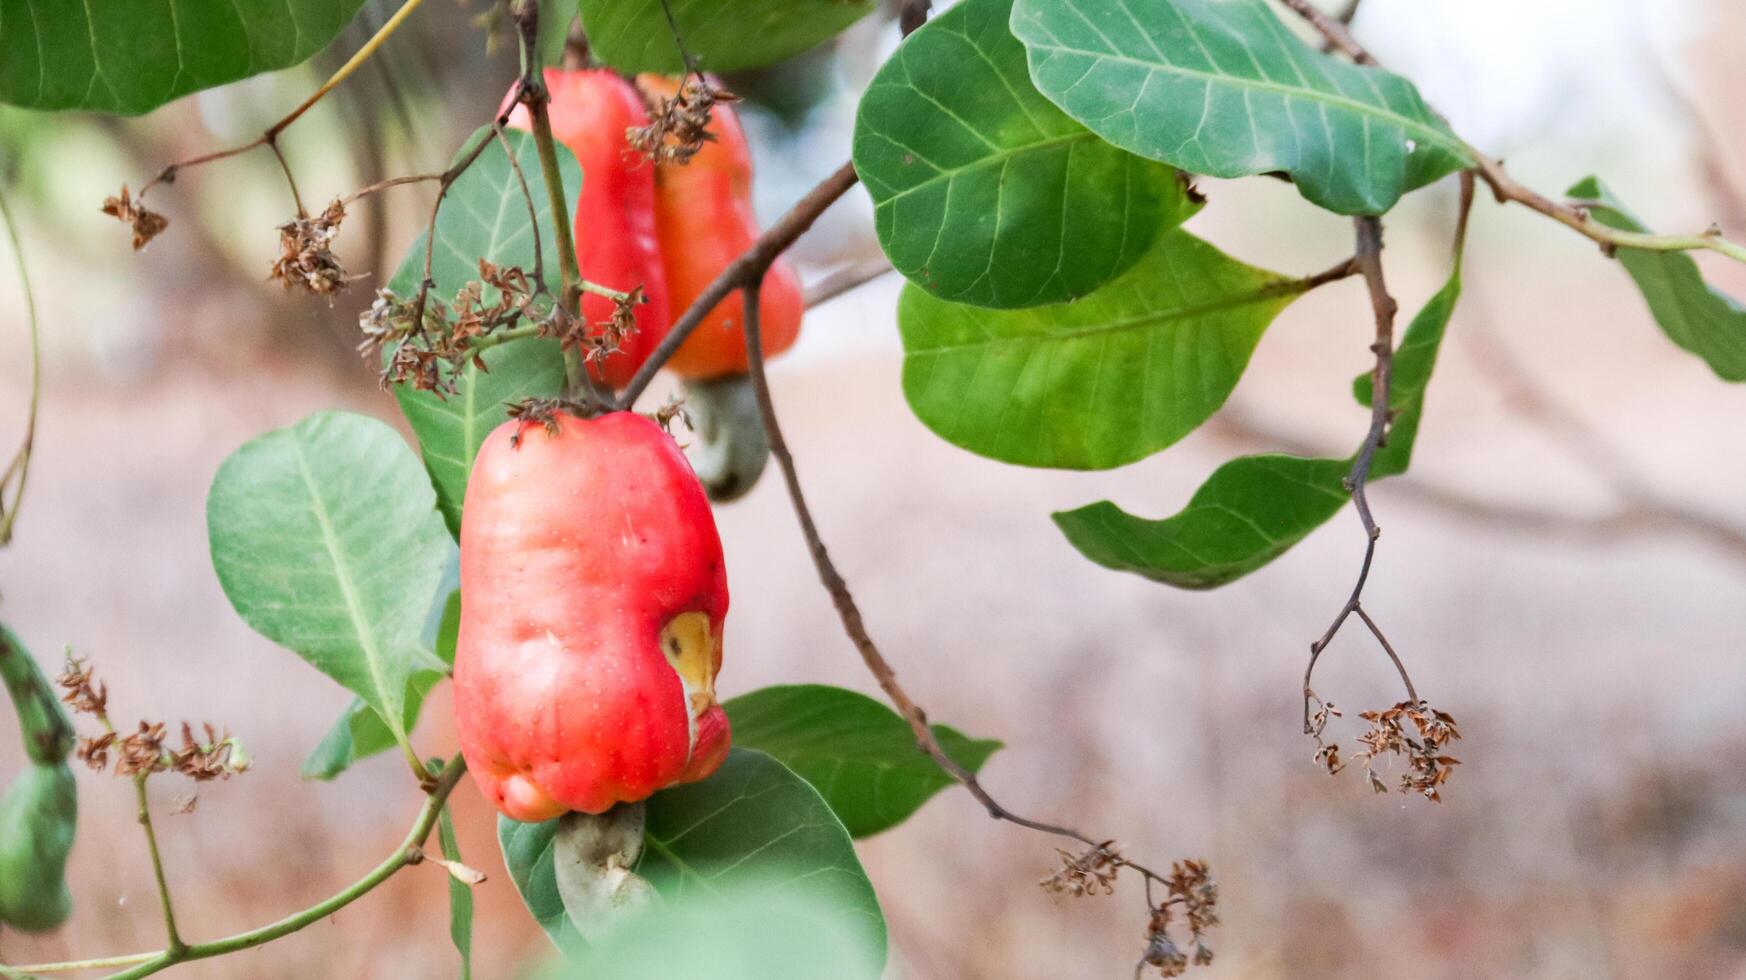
(1428, 768)
(1190, 893)
(306, 256)
(145, 224)
(430, 355)
(679, 125)
(145, 751)
(450, 331)
(1191, 887)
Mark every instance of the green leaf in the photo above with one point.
(723, 35)
(1702, 320)
(754, 829)
(1099, 383)
(859, 754)
(460, 896)
(131, 56)
(1254, 508)
(745, 933)
(360, 732)
(1220, 87)
(984, 192)
(484, 216)
(326, 540)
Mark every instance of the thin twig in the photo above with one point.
(850, 614)
(410, 852)
(1506, 188)
(271, 136)
(19, 468)
(1333, 29)
(746, 270)
(1369, 258)
(173, 940)
(845, 279)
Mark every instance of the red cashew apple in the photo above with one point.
(616, 242)
(592, 598)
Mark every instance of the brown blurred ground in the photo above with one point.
(1594, 828)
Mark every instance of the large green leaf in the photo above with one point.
(859, 754)
(752, 830)
(131, 56)
(326, 539)
(983, 191)
(1098, 383)
(1702, 320)
(484, 216)
(1220, 87)
(1254, 508)
(723, 35)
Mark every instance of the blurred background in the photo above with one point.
(1564, 569)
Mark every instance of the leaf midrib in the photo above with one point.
(348, 590)
(1436, 136)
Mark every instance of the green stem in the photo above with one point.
(536, 98)
(410, 851)
(173, 938)
(20, 465)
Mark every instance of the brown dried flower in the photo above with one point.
(1086, 874)
(306, 256)
(219, 757)
(145, 224)
(143, 751)
(679, 124)
(93, 750)
(84, 694)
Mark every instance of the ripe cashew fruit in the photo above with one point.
(732, 447)
(616, 242)
(40, 810)
(592, 598)
(703, 213)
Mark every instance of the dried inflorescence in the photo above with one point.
(144, 751)
(145, 224)
(430, 355)
(449, 334)
(1194, 896)
(679, 124)
(1190, 893)
(1428, 767)
(85, 694)
(306, 258)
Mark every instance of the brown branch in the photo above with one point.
(1369, 258)
(747, 270)
(1333, 29)
(850, 614)
(1506, 188)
